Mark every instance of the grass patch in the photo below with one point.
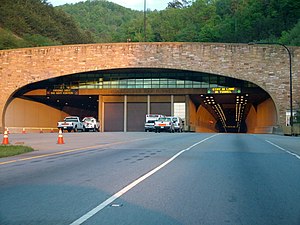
(11, 150)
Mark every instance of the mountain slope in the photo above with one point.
(35, 23)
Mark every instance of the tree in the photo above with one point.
(291, 37)
(176, 4)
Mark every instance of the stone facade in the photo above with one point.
(265, 65)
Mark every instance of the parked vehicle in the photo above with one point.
(71, 123)
(164, 124)
(178, 123)
(90, 123)
(150, 120)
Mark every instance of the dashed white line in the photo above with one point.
(133, 184)
(287, 151)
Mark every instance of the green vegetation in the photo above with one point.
(230, 21)
(11, 150)
(27, 23)
(106, 21)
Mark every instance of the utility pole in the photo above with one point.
(145, 17)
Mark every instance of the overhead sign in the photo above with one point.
(224, 90)
(62, 92)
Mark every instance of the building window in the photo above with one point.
(149, 80)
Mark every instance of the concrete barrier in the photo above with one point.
(287, 130)
(17, 130)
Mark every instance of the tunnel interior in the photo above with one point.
(227, 100)
(230, 110)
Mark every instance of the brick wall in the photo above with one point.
(267, 66)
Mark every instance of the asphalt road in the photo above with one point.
(148, 178)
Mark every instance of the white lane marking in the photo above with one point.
(287, 151)
(133, 184)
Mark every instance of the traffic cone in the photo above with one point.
(23, 131)
(41, 131)
(60, 137)
(5, 138)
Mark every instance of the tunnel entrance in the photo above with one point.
(120, 98)
(232, 108)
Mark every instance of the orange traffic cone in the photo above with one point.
(5, 138)
(60, 137)
(23, 131)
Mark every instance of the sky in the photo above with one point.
(133, 4)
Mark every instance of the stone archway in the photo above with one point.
(266, 66)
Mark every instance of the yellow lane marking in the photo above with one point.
(68, 151)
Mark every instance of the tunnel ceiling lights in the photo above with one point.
(209, 100)
(241, 103)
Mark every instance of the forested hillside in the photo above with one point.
(37, 23)
(193, 21)
(107, 21)
(25, 23)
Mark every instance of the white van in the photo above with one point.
(178, 123)
(150, 120)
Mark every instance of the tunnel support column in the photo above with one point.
(172, 105)
(125, 113)
(101, 113)
(187, 113)
(148, 104)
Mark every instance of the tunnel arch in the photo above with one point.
(253, 63)
(109, 82)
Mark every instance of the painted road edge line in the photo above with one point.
(111, 199)
(287, 151)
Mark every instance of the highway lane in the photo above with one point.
(227, 179)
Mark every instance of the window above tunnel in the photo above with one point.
(135, 79)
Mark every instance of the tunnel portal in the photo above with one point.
(121, 98)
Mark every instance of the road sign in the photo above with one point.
(224, 90)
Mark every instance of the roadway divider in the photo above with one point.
(25, 130)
